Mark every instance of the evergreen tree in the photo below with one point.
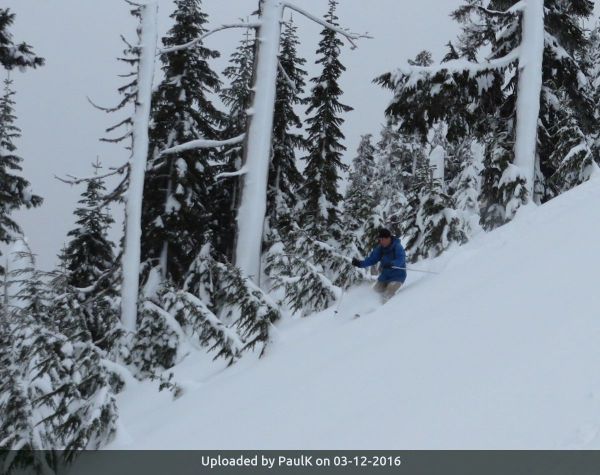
(237, 97)
(499, 198)
(492, 97)
(311, 272)
(431, 223)
(572, 159)
(85, 411)
(174, 321)
(308, 262)
(57, 393)
(89, 253)
(399, 156)
(284, 177)
(179, 209)
(89, 265)
(466, 184)
(31, 291)
(14, 55)
(258, 313)
(564, 96)
(159, 341)
(15, 191)
(19, 429)
(359, 201)
(321, 198)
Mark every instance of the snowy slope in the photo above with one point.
(500, 350)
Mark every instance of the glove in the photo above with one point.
(356, 262)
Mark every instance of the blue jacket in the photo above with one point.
(391, 256)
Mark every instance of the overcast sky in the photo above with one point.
(80, 40)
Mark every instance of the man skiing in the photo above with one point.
(393, 263)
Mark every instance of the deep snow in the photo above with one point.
(498, 351)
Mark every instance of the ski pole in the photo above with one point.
(415, 270)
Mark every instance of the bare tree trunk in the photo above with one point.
(531, 53)
(148, 36)
(257, 153)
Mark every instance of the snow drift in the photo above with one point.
(498, 351)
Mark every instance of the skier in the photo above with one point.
(393, 264)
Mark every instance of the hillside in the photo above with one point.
(499, 350)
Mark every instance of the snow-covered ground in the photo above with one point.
(501, 350)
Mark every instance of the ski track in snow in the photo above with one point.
(498, 351)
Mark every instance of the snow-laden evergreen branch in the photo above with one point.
(225, 339)
(169, 320)
(287, 78)
(203, 143)
(461, 65)
(350, 36)
(240, 172)
(258, 311)
(75, 180)
(121, 371)
(517, 7)
(172, 49)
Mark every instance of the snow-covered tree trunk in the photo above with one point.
(253, 205)
(137, 167)
(531, 53)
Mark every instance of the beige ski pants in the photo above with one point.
(387, 289)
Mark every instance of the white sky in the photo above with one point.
(80, 40)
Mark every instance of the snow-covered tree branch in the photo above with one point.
(415, 72)
(75, 180)
(350, 36)
(203, 143)
(194, 42)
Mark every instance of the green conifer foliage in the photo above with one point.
(15, 190)
(320, 193)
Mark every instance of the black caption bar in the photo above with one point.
(426, 462)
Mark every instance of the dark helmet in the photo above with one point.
(384, 233)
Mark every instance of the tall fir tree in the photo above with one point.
(358, 201)
(15, 190)
(284, 177)
(89, 253)
(320, 192)
(400, 156)
(178, 210)
(309, 264)
(237, 97)
(89, 264)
